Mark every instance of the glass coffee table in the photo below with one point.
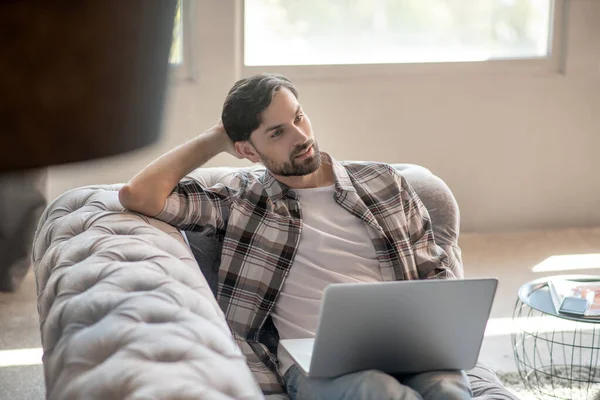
(557, 355)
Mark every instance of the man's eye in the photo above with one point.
(299, 117)
(277, 133)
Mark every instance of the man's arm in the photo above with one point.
(431, 260)
(146, 192)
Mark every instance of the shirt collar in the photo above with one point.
(277, 190)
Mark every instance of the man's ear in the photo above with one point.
(247, 150)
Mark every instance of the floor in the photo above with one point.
(513, 258)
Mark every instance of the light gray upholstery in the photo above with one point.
(125, 312)
(442, 208)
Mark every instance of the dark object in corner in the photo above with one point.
(22, 201)
(81, 79)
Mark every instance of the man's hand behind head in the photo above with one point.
(228, 145)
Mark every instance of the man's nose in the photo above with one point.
(300, 135)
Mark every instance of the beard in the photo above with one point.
(295, 167)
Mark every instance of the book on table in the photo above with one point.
(580, 298)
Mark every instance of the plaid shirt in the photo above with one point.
(260, 222)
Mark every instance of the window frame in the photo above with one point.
(554, 63)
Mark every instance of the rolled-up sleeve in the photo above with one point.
(193, 207)
(431, 260)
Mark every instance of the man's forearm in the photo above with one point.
(146, 192)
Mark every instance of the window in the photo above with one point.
(176, 56)
(334, 32)
(182, 58)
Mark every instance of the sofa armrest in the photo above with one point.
(124, 310)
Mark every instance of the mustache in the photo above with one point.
(302, 148)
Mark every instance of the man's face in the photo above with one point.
(284, 141)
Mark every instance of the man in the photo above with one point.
(309, 221)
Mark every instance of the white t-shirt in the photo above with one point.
(335, 247)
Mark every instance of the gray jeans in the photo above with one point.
(377, 385)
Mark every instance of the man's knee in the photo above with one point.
(451, 385)
(449, 389)
(374, 384)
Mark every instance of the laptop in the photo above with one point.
(398, 327)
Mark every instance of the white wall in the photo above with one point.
(519, 150)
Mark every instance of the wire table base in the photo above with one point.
(556, 358)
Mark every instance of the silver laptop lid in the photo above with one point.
(402, 327)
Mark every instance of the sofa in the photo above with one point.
(127, 308)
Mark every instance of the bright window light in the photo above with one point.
(318, 32)
(539, 324)
(19, 357)
(176, 55)
(568, 262)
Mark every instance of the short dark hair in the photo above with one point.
(247, 99)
